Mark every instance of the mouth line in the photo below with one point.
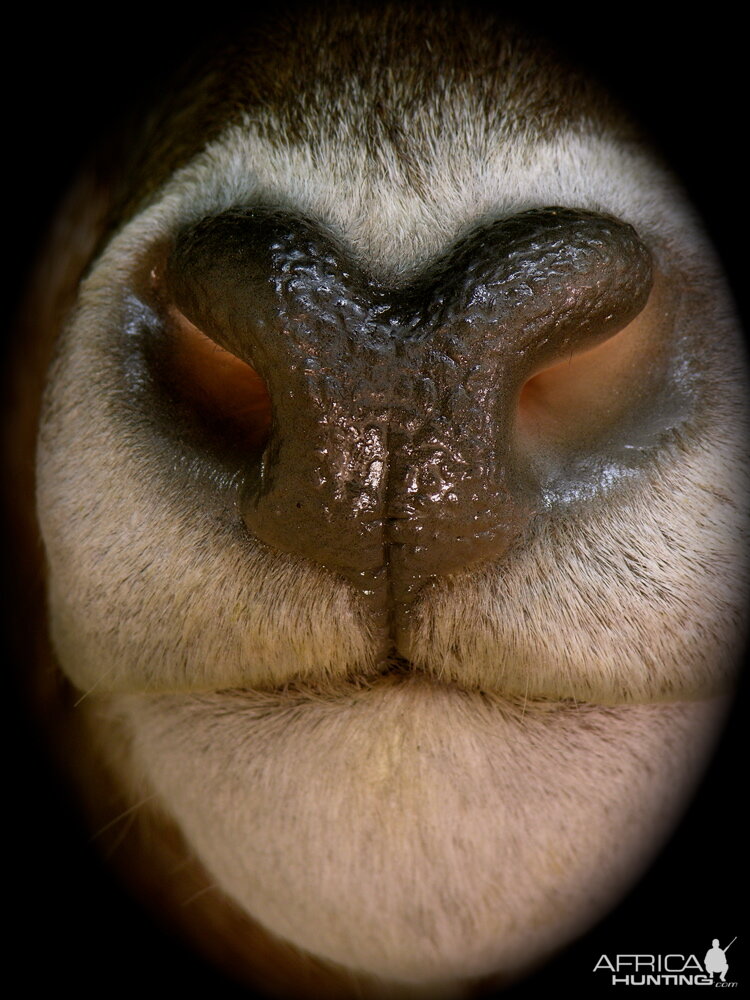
(398, 674)
(299, 695)
(347, 695)
(393, 670)
(398, 671)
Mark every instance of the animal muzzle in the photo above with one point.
(394, 455)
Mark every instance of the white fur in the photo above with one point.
(412, 829)
(415, 832)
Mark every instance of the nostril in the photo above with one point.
(222, 395)
(609, 393)
(555, 400)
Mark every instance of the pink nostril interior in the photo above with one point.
(223, 388)
(595, 386)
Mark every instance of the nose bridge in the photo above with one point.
(456, 494)
(389, 461)
(320, 487)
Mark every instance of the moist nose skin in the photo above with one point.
(393, 457)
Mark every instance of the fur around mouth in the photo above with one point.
(396, 671)
(399, 671)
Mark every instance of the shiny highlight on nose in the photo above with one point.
(405, 419)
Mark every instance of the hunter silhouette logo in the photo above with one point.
(669, 970)
(716, 959)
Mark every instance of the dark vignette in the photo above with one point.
(69, 77)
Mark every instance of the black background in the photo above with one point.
(68, 76)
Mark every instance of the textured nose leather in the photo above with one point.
(392, 457)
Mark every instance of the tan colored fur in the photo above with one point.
(472, 817)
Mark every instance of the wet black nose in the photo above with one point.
(394, 455)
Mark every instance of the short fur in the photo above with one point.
(470, 817)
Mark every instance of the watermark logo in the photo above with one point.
(716, 959)
(668, 970)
